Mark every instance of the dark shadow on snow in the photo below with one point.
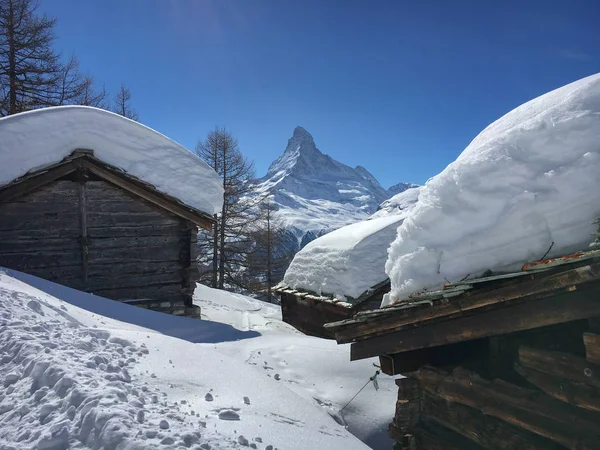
(192, 330)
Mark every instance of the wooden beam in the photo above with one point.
(576, 394)
(486, 431)
(146, 194)
(532, 287)
(30, 183)
(433, 436)
(562, 365)
(403, 363)
(592, 347)
(530, 410)
(561, 308)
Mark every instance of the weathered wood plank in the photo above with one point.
(576, 394)
(152, 292)
(57, 274)
(83, 239)
(38, 222)
(408, 407)
(34, 182)
(128, 255)
(38, 234)
(592, 347)
(132, 242)
(100, 219)
(402, 363)
(133, 268)
(130, 281)
(534, 287)
(565, 307)
(561, 364)
(34, 259)
(40, 245)
(530, 410)
(486, 431)
(141, 230)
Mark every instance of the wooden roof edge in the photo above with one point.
(350, 302)
(369, 324)
(85, 157)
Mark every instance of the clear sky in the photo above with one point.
(400, 87)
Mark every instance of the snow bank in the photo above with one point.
(530, 179)
(345, 262)
(35, 139)
(73, 379)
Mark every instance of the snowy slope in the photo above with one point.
(527, 182)
(34, 139)
(316, 369)
(71, 378)
(347, 261)
(316, 193)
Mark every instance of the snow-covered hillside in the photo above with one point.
(74, 378)
(528, 185)
(316, 194)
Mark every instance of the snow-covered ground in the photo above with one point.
(74, 376)
(399, 203)
(527, 183)
(34, 139)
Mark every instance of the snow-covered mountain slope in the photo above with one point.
(525, 187)
(315, 193)
(72, 378)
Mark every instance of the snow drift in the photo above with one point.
(528, 181)
(35, 139)
(347, 261)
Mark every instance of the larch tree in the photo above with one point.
(122, 104)
(269, 256)
(229, 240)
(31, 73)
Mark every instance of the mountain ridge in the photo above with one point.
(315, 193)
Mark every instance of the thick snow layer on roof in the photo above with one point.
(398, 203)
(530, 179)
(39, 138)
(347, 261)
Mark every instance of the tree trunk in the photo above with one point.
(222, 230)
(12, 71)
(269, 269)
(215, 260)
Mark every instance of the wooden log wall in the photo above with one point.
(552, 400)
(309, 315)
(96, 237)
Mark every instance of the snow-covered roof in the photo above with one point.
(347, 261)
(528, 183)
(32, 140)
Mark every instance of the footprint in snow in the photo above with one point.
(246, 400)
(208, 397)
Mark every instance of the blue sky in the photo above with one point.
(400, 87)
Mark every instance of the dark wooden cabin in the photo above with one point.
(308, 312)
(90, 226)
(505, 362)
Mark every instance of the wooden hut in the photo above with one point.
(95, 227)
(503, 362)
(308, 311)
